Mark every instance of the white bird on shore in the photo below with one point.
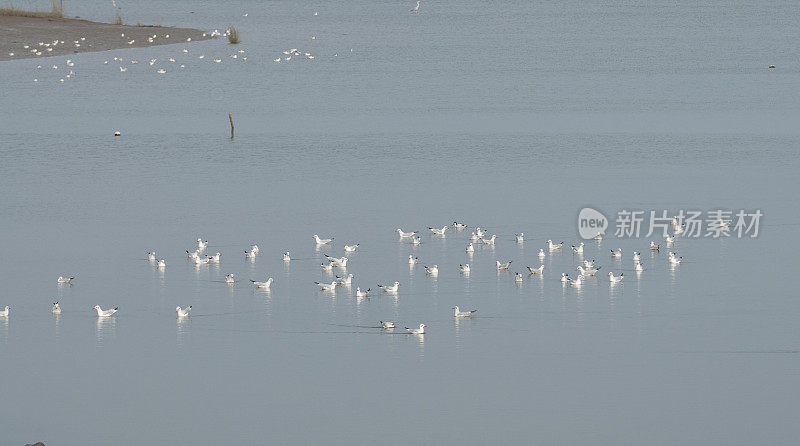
(105, 313)
(464, 268)
(459, 313)
(503, 266)
(162, 263)
(417, 331)
(387, 325)
(322, 241)
(390, 288)
(262, 284)
(151, 256)
(351, 248)
(416, 240)
(347, 280)
(326, 286)
(5, 312)
(406, 234)
(535, 271)
(565, 278)
(286, 257)
(201, 245)
(360, 293)
(616, 254)
(615, 279)
(520, 237)
(412, 260)
(229, 278)
(541, 253)
(578, 249)
(56, 308)
(459, 226)
(433, 270)
(552, 247)
(654, 247)
(636, 257)
(65, 280)
(438, 231)
(183, 312)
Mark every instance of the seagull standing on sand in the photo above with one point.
(104, 313)
(459, 313)
(183, 312)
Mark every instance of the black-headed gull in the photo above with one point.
(459, 226)
(194, 255)
(464, 268)
(328, 267)
(346, 280)
(65, 280)
(183, 312)
(360, 293)
(351, 248)
(480, 232)
(552, 246)
(390, 288)
(340, 262)
(262, 284)
(616, 254)
(5, 312)
(56, 308)
(588, 272)
(229, 278)
(459, 313)
(202, 260)
(638, 267)
(432, 270)
(636, 257)
(286, 257)
(503, 266)
(470, 248)
(151, 256)
(578, 249)
(565, 278)
(536, 270)
(386, 325)
(578, 281)
(214, 258)
(250, 254)
(327, 286)
(438, 231)
(674, 259)
(104, 313)
(162, 263)
(254, 248)
(405, 234)
(202, 244)
(489, 241)
(412, 260)
(474, 237)
(541, 253)
(417, 331)
(517, 277)
(669, 239)
(654, 247)
(416, 240)
(520, 237)
(588, 264)
(322, 241)
(615, 279)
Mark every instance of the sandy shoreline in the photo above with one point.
(18, 32)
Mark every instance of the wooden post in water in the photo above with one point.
(231, 119)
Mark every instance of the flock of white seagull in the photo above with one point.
(586, 269)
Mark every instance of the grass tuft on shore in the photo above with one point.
(233, 35)
(57, 11)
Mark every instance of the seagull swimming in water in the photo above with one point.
(105, 313)
(416, 240)
(541, 253)
(5, 312)
(417, 331)
(56, 309)
(347, 280)
(552, 247)
(387, 325)
(517, 277)
(464, 268)
(459, 313)
(351, 248)
(565, 278)
(636, 257)
(587, 272)
(470, 248)
(412, 260)
(183, 312)
(535, 271)
(615, 279)
(638, 267)
(438, 231)
(286, 257)
(201, 245)
(326, 286)
(162, 263)
(264, 285)
(489, 242)
(433, 270)
(459, 226)
(520, 237)
(406, 234)
(328, 267)
(360, 293)
(250, 254)
(503, 266)
(229, 278)
(654, 247)
(322, 241)
(415, 9)
(151, 256)
(616, 254)
(390, 288)
(65, 280)
(578, 249)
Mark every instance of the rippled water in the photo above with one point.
(510, 116)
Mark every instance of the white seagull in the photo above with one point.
(262, 284)
(415, 9)
(577, 282)
(433, 270)
(340, 262)
(151, 256)
(417, 331)
(201, 245)
(490, 241)
(520, 237)
(615, 279)
(322, 241)
(214, 258)
(654, 247)
(387, 325)
(552, 247)
(438, 231)
(390, 288)
(464, 268)
(250, 254)
(162, 263)
(347, 280)
(5, 312)
(328, 267)
(183, 312)
(193, 255)
(254, 248)
(480, 232)
(286, 257)
(56, 309)
(518, 277)
(616, 254)
(326, 286)
(565, 278)
(463, 313)
(459, 226)
(229, 278)
(636, 257)
(474, 237)
(412, 260)
(503, 266)
(638, 267)
(541, 253)
(406, 234)
(65, 280)
(351, 248)
(416, 240)
(360, 293)
(587, 272)
(535, 271)
(578, 249)
(104, 313)
(470, 247)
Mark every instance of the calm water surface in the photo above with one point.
(505, 115)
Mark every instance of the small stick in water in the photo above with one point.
(231, 119)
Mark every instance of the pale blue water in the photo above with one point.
(506, 115)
